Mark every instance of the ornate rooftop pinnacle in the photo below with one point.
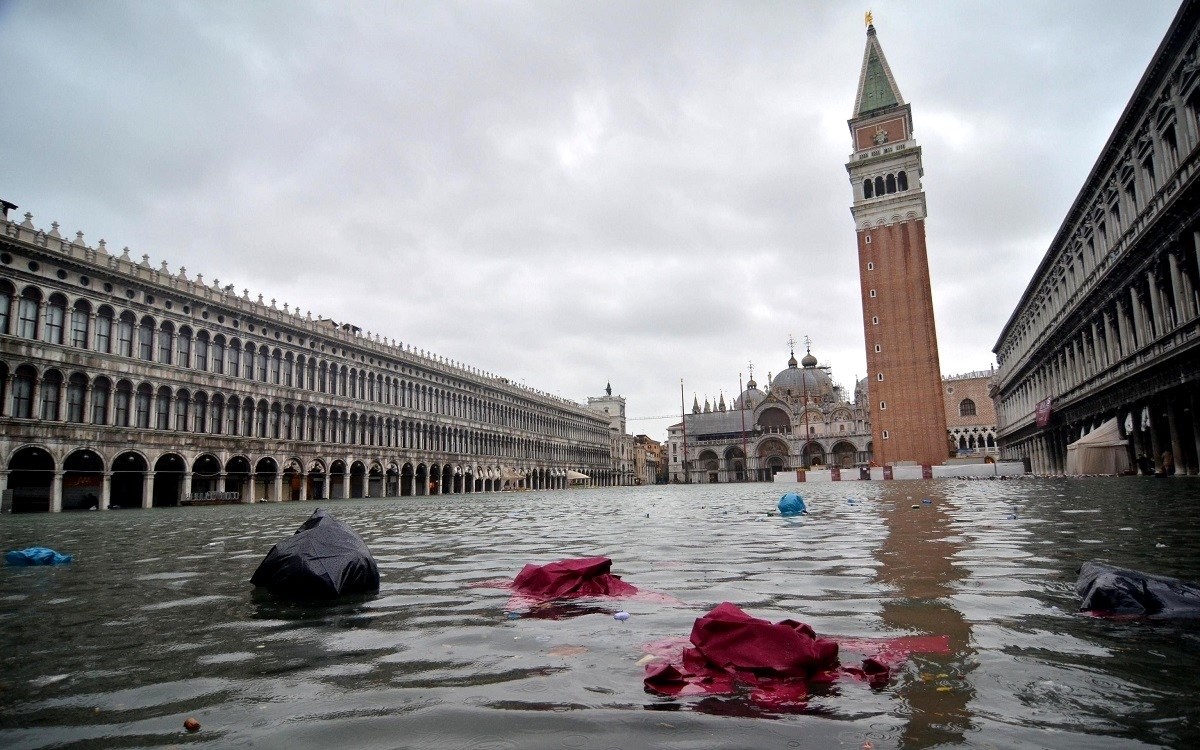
(877, 87)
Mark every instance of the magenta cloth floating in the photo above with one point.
(584, 576)
(777, 661)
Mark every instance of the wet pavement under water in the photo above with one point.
(155, 620)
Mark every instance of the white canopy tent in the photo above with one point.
(1101, 451)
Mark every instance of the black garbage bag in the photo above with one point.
(1110, 590)
(324, 559)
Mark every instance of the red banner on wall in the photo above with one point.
(1042, 412)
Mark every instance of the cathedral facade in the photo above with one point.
(802, 420)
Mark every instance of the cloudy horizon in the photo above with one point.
(565, 195)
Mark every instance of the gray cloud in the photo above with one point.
(563, 194)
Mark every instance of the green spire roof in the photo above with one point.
(876, 87)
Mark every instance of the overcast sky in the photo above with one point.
(563, 193)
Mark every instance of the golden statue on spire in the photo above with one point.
(868, 18)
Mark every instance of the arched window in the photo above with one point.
(22, 391)
(27, 314)
(248, 361)
(868, 188)
(966, 408)
(262, 364)
(891, 183)
(218, 355)
(56, 314)
(125, 335)
(183, 347)
(79, 324)
(76, 389)
(51, 390)
(146, 339)
(165, 333)
(276, 362)
(235, 357)
(879, 186)
(902, 180)
(142, 405)
(201, 357)
(121, 403)
(104, 326)
(181, 411)
(100, 390)
(162, 409)
(6, 295)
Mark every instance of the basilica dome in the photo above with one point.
(751, 397)
(798, 381)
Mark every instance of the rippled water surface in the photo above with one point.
(155, 621)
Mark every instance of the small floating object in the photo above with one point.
(792, 504)
(916, 506)
(622, 616)
(927, 501)
(36, 556)
(514, 615)
(191, 724)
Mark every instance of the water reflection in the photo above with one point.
(917, 562)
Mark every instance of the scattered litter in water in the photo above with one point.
(622, 616)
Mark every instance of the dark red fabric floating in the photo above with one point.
(583, 576)
(776, 660)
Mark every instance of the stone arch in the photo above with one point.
(773, 457)
(206, 474)
(774, 419)
(237, 478)
(83, 480)
(408, 475)
(31, 479)
(844, 454)
(265, 472)
(339, 479)
(167, 490)
(813, 454)
(358, 480)
(317, 477)
(128, 487)
(735, 463)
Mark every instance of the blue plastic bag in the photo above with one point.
(792, 504)
(36, 556)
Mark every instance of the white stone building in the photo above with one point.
(126, 384)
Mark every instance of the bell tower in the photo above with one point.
(908, 419)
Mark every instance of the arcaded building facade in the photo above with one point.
(1109, 326)
(897, 302)
(801, 421)
(123, 384)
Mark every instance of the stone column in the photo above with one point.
(325, 486)
(1138, 332)
(1156, 311)
(106, 490)
(249, 487)
(56, 489)
(1109, 341)
(278, 488)
(35, 399)
(346, 483)
(1176, 442)
(148, 490)
(1183, 308)
(186, 493)
(1155, 445)
(303, 487)
(8, 395)
(1195, 404)
(87, 404)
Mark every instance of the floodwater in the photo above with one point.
(155, 621)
